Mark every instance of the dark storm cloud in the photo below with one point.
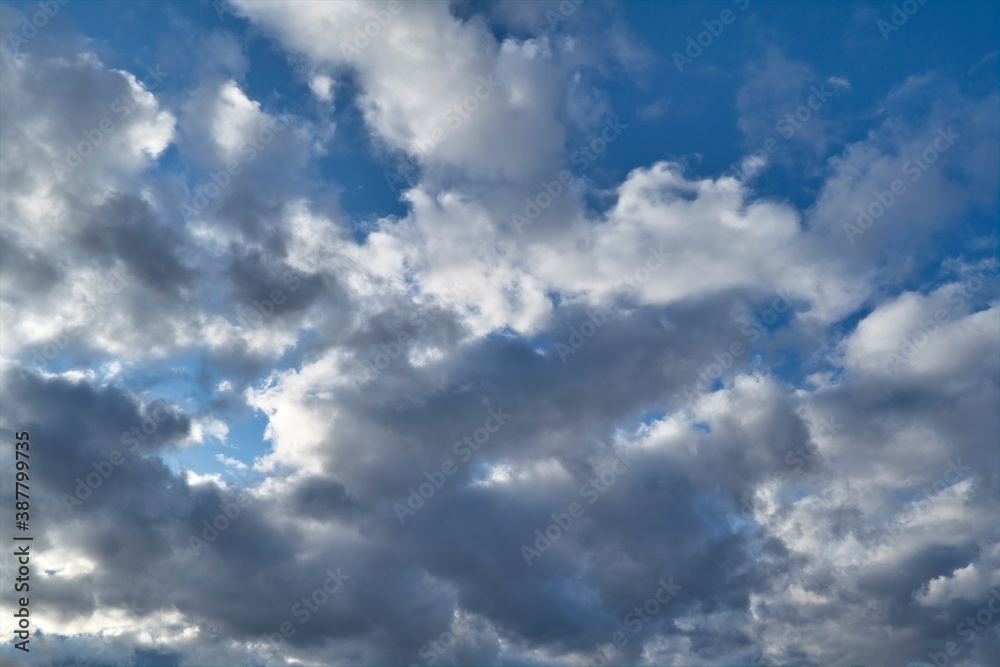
(29, 274)
(254, 277)
(466, 536)
(125, 229)
(472, 536)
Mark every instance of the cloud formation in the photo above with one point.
(386, 333)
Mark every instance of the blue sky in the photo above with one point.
(309, 318)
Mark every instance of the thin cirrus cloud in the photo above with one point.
(462, 333)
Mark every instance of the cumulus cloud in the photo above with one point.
(290, 405)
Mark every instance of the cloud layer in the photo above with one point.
(571, 406)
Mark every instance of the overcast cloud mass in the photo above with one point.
(500, 333)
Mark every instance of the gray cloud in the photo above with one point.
(813, 502)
